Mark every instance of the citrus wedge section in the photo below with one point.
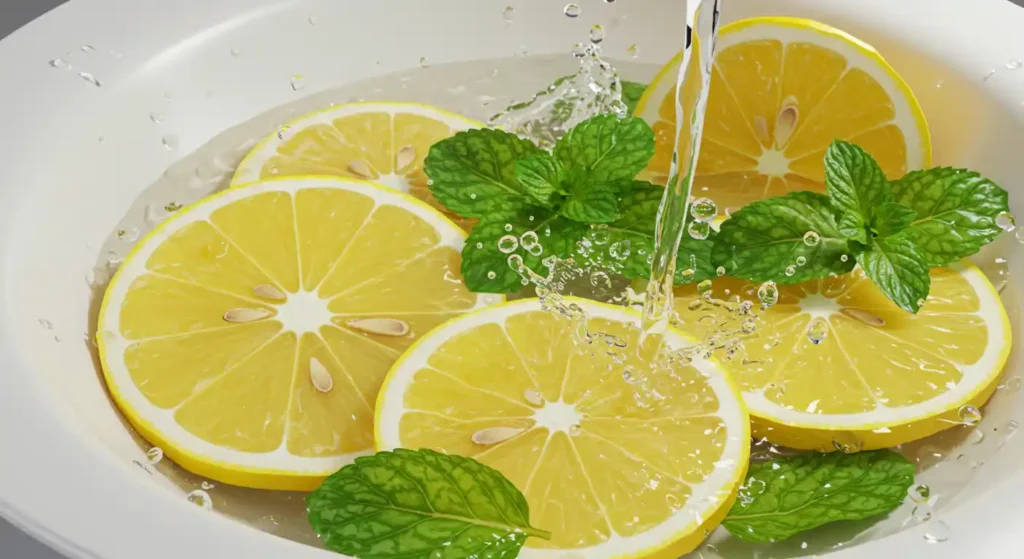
(249, 334)
(616, 457)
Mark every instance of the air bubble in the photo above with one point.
(516, 263)
(529, 240)
(812, 238)
(919, 493)
(200, 498)
(700, 230)
(817, 330)
(491, 275)
(768, 293)
(844, 257)
(508, 243)
(155, 455)
(720, 271)
(572, 10)
(1006, 221)
(508, 227)
(800, 260)
(969, 415)
(703, 209)
(620, 250)
(790, 270)
(938, 532)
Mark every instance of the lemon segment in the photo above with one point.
(781, 90)
(615, 458)
(836, 364)
(381, 142)
(249, 334)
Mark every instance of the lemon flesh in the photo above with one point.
(781, 90)
(236, 335)
(381, 142)
(837, 365)
(614, 458)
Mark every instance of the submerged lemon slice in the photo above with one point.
(248, 334)
(615, 459)
(837, 365)
(381, 142)
(781, 90)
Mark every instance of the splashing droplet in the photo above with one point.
(298, 82)
(1006, 221)
(600, 279)
(572, 10)
(597, 34)
(509, 13)
(704, 209)
(620, 250)
(919, 493)
(699, 230)
(970, 415)
(633, 51)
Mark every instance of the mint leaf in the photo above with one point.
(956, 212)
(896, 266)
(631, 94)
(420, 504)
(556, 236)
(626, 245)
(764, 238)
(787, 496)
(607, 148)
(856, 185)
(473, 172)
(891, 219)
(542, 177)
(592, 202)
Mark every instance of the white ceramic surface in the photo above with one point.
(75, 155)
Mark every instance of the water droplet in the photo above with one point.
(768, 293)
(311, 20)
(90, 78)
(572, 10)
(600, 279)
(508, 243)
(88, 48)
(424, 62)
(516, 263)
(200, 498)
(699, 230)
(627, 375)
(155, 455)
(1014, 64)
(919, 493)
(509, 13)
(508, 227)
(620, 250)
(938, 532)
(285, 133)
(529, 240)
(1006, 221)
(970, 415)
(596, 34)
(479, 245)
(812, 238)
(844, 257)
(633, 51)
(720, 271)
(1011, 427)
(575, 430)
(704, 209)
(922, 513)
(170, 142)
(157, 117)
(298, 83)
(800, 260)
(46, 324)
(491, 275)
(790, 270)
(60, 63)
(817, 330)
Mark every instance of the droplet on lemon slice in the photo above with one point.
(781, 90)
(835, 365)
(614, 457)
(249, 334)
(380, 142)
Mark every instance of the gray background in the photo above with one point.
(15, 544)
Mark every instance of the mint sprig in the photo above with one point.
(421, 503)
(896, 230)
(790, 495)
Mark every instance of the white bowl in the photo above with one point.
(75, 155)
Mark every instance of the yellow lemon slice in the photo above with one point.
(781, 90)
(836, 365)
(614, 458)
(380, 142)
(248, 334)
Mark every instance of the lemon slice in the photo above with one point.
(615, 459)
(836, 365)
(380, 142)
(248, 334)
(781, 90)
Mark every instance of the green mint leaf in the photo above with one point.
(956, 212)
(765, 238)
(542, 177)
(899, 269)
(473, 172)
(856, 185)
(592, 202)
(892, 218)
(420, 504)
(607, 148)
(626, 244)
(631, 94)
(787, 496)
(555, 236)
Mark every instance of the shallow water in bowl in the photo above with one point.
(945, 462)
